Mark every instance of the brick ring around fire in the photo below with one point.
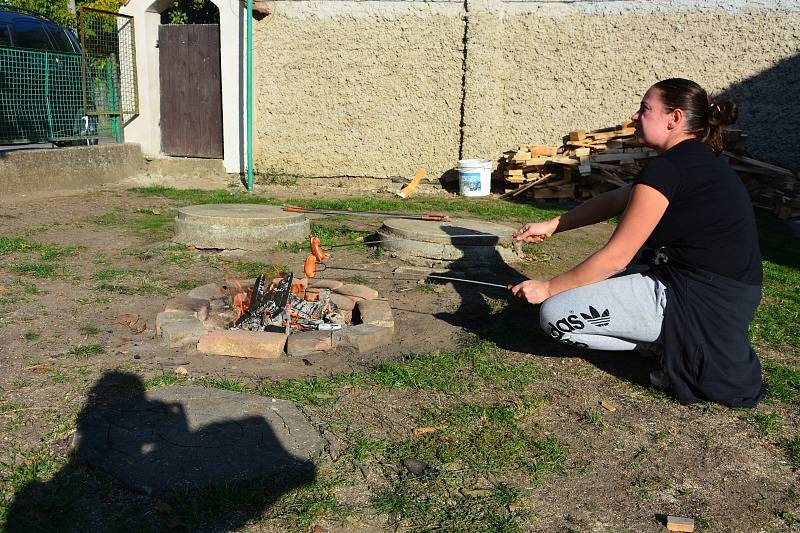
(203, 316)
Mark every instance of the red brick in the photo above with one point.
(240, 343)
(358, 291)
(198, 306)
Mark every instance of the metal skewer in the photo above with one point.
(434, 276)
(485, 235)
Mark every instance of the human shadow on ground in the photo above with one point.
(137, 464)
(514, 324)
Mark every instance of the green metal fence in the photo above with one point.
(63, 98)
(109, 68)
(41, 97)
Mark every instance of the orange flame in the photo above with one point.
(240, 298)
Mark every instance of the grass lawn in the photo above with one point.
(473, 438)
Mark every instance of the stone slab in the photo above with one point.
(241, 343)
(345, 303)
(316, 283)
(238, 226)
(308, 342)
(363, 337)
(179, 328)
(457, 231)
(165, 317)
(376, 312)
(354, 290)
(192, 437)
(73, 168)
(209, 291)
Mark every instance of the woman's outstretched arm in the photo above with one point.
(598, 209)
(644, 211)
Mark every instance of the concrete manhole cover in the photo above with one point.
(455, 243)
(238, 226)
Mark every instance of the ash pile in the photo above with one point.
(283, 305)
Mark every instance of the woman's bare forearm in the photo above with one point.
(598, 209)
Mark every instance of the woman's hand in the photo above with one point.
(533, 290)
(536, 231)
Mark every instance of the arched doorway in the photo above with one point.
(146, 127)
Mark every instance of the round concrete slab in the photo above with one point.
(238, 226)
(192, 437)
(434, 244)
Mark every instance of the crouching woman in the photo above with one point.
(681, 273)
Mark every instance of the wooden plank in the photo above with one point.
(747, 169)
(578, 135)
(626, 156)
(539, 150)
(521, 157)
(582, 144)
(760, 164)
(567, 191)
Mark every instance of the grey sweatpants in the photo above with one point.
(621, 313)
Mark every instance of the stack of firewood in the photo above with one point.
(589, 163)
(771, 187)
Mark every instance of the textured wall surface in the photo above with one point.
(357, 96)
(348, 88)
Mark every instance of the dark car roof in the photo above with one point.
(24, 29)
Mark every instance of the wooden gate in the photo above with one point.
(191, 90)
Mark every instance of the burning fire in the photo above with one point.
(283, 302)
(240, 297)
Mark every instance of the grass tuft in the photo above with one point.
(768, 424)
(785, 381)
(84, 352)
(307, 392)
(792, 449)
(39, 270)
(163, 380)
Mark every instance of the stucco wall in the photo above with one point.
(377, 88)
(357, 95)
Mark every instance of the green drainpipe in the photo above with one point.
(250, 95)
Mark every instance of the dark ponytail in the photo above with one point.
(704, 118)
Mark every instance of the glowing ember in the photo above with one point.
(284, 304)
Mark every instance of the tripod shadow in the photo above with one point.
(513, 324)
(155, 468)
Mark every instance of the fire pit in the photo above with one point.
(265, 318)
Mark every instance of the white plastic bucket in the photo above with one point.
(475, 177)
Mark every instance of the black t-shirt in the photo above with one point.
(709, 222)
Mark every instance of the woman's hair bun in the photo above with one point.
(722, 113)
